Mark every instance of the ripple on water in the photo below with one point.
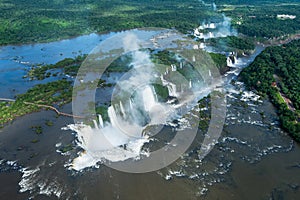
(247, 137)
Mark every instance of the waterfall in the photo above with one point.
(122, 109)
(96, 124)
(235, 59)
(131, 116)
(201, 35)
(130, 104)
(172, 90)
(167, 71)
(229, 62)
(148, 98)
(100, 121)
(212, 26)
(214, 7)
(113, 116)
(174, 68)
(196, 32)
(202, 45)
(209, 73)
(232, 59)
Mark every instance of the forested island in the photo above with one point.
(276, 73)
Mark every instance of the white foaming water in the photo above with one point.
(122, 109)
(249, 95)
(148, 98)
(106, 143)
(130, 104)
(229, 62)
(95, 124)
(134, 107)
(32, 181)
(202, 45)
(222, 29)
(101, 123)
(172, 89)
(122, 138)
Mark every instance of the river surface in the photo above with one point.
(253, 159)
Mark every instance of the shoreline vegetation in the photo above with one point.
(29, 21)
(57, 93)
(276, 73)
(259, 20)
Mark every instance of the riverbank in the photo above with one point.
(45, 156)
(273, 73)
(261, 160)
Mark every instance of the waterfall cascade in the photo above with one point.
(100, 121)
(149, 98)
(215, 30)
(130, 104)
(212, 25)
(122, 109)
(172, 88)
(202, 45)
(229, 62)
(113, 116)
(174, 68)
(232, 59)
(95, 124)
(134, 108)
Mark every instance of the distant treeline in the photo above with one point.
(260, 20)
(253, 2)
(23, 21)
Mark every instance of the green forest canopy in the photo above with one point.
(280, 65)
(24, 21)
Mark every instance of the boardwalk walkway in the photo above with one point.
(45, 106)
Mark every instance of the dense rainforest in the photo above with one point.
(260, 19)
(23, 21)
(276, 73)
(35, 21)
